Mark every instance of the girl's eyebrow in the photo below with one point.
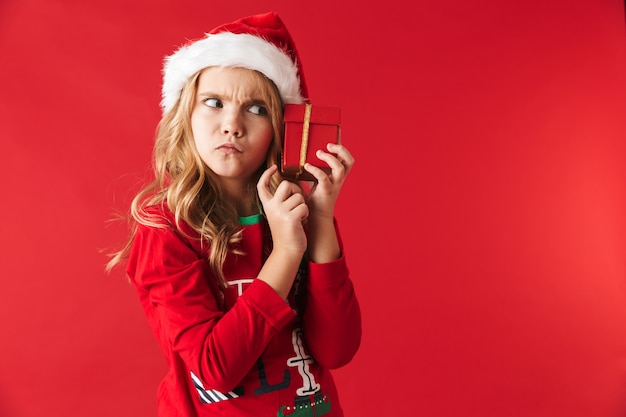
(250, 100)
(258, 101)
(210, 94)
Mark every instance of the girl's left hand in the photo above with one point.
(323, 195)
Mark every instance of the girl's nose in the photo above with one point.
(232, 124)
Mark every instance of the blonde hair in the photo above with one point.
(189, 188)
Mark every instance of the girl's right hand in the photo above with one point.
(285, 210)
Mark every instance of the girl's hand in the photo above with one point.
(323, 195)
(323, 242)
(285, 210)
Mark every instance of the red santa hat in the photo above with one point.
(260, 42)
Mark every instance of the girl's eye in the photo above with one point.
(214, 102)
(256, 109)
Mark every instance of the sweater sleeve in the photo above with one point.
(332, 321)
(181, 299)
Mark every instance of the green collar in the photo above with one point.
(249, 220)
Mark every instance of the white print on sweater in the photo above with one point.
(239, 283)
(212, 396)
(302, 360)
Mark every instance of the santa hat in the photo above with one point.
(260, 42)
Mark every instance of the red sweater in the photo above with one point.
(243, 351)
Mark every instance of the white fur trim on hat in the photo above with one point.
(227, 49)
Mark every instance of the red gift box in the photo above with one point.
(308, 128)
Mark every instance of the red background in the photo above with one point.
(484, 221)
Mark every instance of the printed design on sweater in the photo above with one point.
(309, 400)
(239, 283)
(302, 361)
(307, 407)
(213, 396)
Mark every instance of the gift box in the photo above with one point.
(308, 128)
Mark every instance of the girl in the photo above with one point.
(241, 273)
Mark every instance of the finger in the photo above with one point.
(294, 203)
(332, 160)
(319, 174)
(342, 154)
(286, 189)
(301, 211)
(339, 169)
(263, 185)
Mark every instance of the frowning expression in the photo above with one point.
(231, 127)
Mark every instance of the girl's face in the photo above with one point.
(231, 127)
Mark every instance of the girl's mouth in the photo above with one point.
(229, 148)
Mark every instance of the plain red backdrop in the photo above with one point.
(484, 221)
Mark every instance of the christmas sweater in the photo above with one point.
(242, 350)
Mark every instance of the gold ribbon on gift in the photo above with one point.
(304, 145)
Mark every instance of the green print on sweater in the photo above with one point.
(307, 407)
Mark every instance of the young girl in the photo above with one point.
(241, 273)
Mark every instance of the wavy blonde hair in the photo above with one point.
(190, 190)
